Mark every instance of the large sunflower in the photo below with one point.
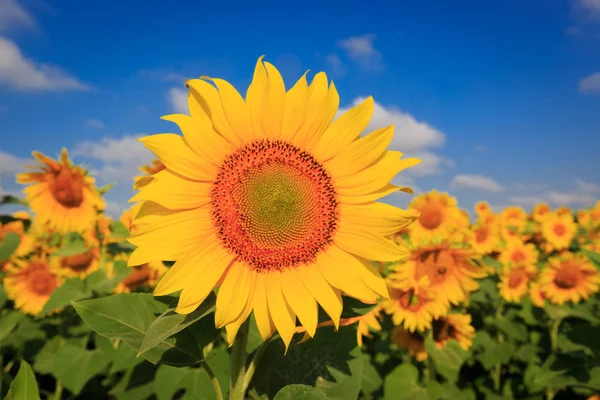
(272, 201)
(569, 277)
(61, 195)
(514, 281)
(438, 218)
(31, 282)
(559, 230)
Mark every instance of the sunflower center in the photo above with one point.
(566, 278)
(78, 262)
(481, 235)
(40, 280)
(66, 187)
(518, 256)
(560, 229)
(516, 278)
(408, 300)
(437, 265)
(431, 216)
(274, 205)
(139, 277)
(442, 330)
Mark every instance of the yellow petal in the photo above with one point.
(321, 290)
(281, 313)
(361, 153)
(175, 192)
(173, 223)
(370, 246)
(379, 218)
(209, 99)
(273, 103)
(296, 101)
(174, 152)
(189, 267)
(211, 268)
(367, 198)
(233, 294)
(233, 328)
(255, 98)
(199, 134)
(344, 130)
(261, 310)
(321, 108)
(300, 300)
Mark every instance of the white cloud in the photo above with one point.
(470, 181)
(590, 84)
(23, 74)
(13, 15)
(11, 165)
(120, 158)
(335, 62)
(526, 201)
(584, 194)
(361, 50)
(94, 123)
(590, 6)
(114, 209)
(178, 99)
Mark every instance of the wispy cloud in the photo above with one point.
(477, 182)
(590, 84)
(20, 73)
(583, 194)
(13, 15)
(94, 123)
(178, 100)
(360, 49)
(335, 63)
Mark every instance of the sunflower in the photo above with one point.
(80, 265)
(541, 212)
(569, 277)
(26, 241)
(559, 231)
(414, 342)
(414, 306)
(513, 218)
(453, 326)
(149, 171)
(563, 211)
(482, 209)
(514, 281)
(450, 271)
(61, 195)
(518, 253)
(142, 276)
(537, 296)
(271, 201)
(484, 239)
(31, 282)
(438, 216)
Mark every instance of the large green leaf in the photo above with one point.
(565, 370)
(448, 360)
(137, 383)
(511, 329)
(170, 322)
(403, 384)
(9, 321)
(119, 230)
(128, 316)
(489, 352)
(331, 361)
(9, 244)
(3, 296)
(593, 257)
(24, 386)
(73, 289)
(371, 380)
(99, 282)
(300, 392)
(194, 381)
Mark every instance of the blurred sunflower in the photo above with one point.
(541, 212)
(519, 253)
(26, 241)
(514, 281)
(513, 217)
(559, 231)
(414, 342)
(563, 211)
(272, 201)
(29, 283)
(142, 277)
(61, 195)
(80, 265)
(482, 209)
(413, 306)
(569, 277)
(537, 296)
(450, 271)
(484, 239)
(453, 326)
(438, 216)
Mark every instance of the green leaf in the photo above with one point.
(119, 230)
(9, 199)
(9, 321)
(122, 357)
(169, 323)
(75, 366)
(73, 244)
(99, 282)
(24, 386)
(8, 245)
(564, 370)
(300, 392)
(352, 308)
(452, 392)
(511, 329)
(102, 190)
(3, 296)
(448, 360)
(73, 289)
(331, 362)
(371, 381)
(402, 384)
(489, 352)
(593, 257)
(492, 262)
(128, 316)
(195, 381)
(137, 383)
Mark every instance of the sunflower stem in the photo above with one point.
(213, 380)
(237, 390)
(254, 363)
(58, 391)
(551, 390)
(497, 371)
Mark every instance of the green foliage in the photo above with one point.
(8, 245)
(24, 386)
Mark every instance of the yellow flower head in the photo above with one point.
(514, 282)
(514, 217)
(541, 212)
(269, 199)
(569, 277)
(438, 218)
(482, 209)
(518, 253)
(29, 283)
(454, 326)
(537, 296)
(61, 195)
(484, 238)
(142, 276)
(80, 265)
(559, 230)
(414, 342)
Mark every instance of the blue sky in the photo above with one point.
(501, 99)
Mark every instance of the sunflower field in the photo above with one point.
(262, 267)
